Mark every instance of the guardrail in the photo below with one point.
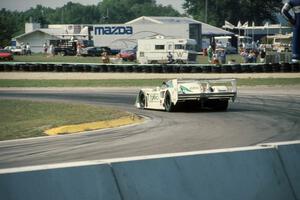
(267, 171)
(149, 68)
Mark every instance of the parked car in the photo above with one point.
(95, 51)
(115, 51)
(6, 54)
(128, 54)
(17, 50)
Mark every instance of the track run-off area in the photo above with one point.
(259, 115)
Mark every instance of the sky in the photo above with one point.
(22, 5)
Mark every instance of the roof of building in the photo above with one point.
(52, 32)
(206, 28)
(56, 32)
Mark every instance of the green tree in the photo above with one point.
(106, 11)
(120, 11)
(9, 25)
(233, 11)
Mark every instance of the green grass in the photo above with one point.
(268, 81)
(133, 83)
(23, 119)
(80, 83)
(79, 59)
(46, 58)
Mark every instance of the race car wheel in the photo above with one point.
(220, 105)
(169, 105)
(142, 99)
(217, 104)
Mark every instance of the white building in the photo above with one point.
(120, 36)
(36, 36)
(126, 35)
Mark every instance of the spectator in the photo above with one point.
(105, 57)
(170, 58)
(78, 49)
(23, 47)
(245, 55)
(51, 50)
(252, 57)
(262, 56)
(223, 56)
(210, 53)
(28, 49)
(45, 47)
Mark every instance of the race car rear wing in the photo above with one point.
(211, 89)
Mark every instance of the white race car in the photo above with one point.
(214, 94)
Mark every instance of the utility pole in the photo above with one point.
(206, 6)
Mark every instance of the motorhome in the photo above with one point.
(225, 42)
(246, 42)
(160, 49)
(281, 43)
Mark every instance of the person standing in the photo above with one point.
(51, 50)
(170, 58)
(28, 50)
(45, 47)
(78, 49)
(294, 5)
(210, 53)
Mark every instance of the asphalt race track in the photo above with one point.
(259, 115)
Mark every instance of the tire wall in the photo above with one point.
(150, 68)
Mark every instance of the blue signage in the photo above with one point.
(113, 30)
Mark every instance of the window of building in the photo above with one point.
(179, 46)
(159, 47)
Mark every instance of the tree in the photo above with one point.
(257, 11)
(119, 11)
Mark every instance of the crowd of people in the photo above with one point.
(219, 55)
(26, 49)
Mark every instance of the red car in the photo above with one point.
(128, 54)
(6, 55)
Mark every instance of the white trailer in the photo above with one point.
(159, 49)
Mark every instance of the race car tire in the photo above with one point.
(142, 99)
(167, 69)
(196, 69)
(275, 67)
(58, 68)
(206, 69)
(216, 69)
(7, 68)
(236, 68)
(103, 68)
(137, 68)
(246, 68)
(226, 68)
(16, 67)
(295, 67)
(95, 68)
(285, 67)
(169, 105)
(217, 104)
(267, 68)
(50, 67)
(221, 105)
(128, 68)
(66, 68)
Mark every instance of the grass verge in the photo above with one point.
(133, 82)
(39, 57)
(24, 118)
